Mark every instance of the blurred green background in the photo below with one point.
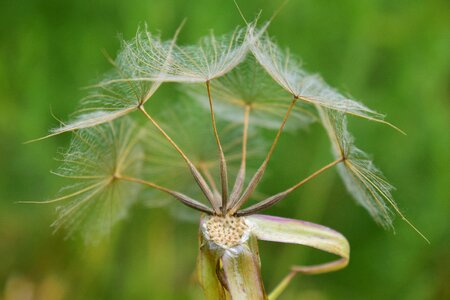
(393, 55)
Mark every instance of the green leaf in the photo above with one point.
(283, 230)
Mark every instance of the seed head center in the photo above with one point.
(226, 231)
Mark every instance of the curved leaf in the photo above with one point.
(276, 229)
(283, 230)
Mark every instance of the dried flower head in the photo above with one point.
(226, 232)
(202, 161)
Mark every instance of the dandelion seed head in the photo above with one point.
(257, 91)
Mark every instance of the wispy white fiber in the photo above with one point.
(96, 200)
(361, 177)
(286, 70)
(212, 57)
(249, 85)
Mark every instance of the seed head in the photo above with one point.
(226, 232)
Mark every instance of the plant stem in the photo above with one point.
(280, 196)
(223, 163)
(210, 179)
(310, 270)
(282, 286)
(195, 173)
(240, 178)
(259, 173)
(183, 198)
